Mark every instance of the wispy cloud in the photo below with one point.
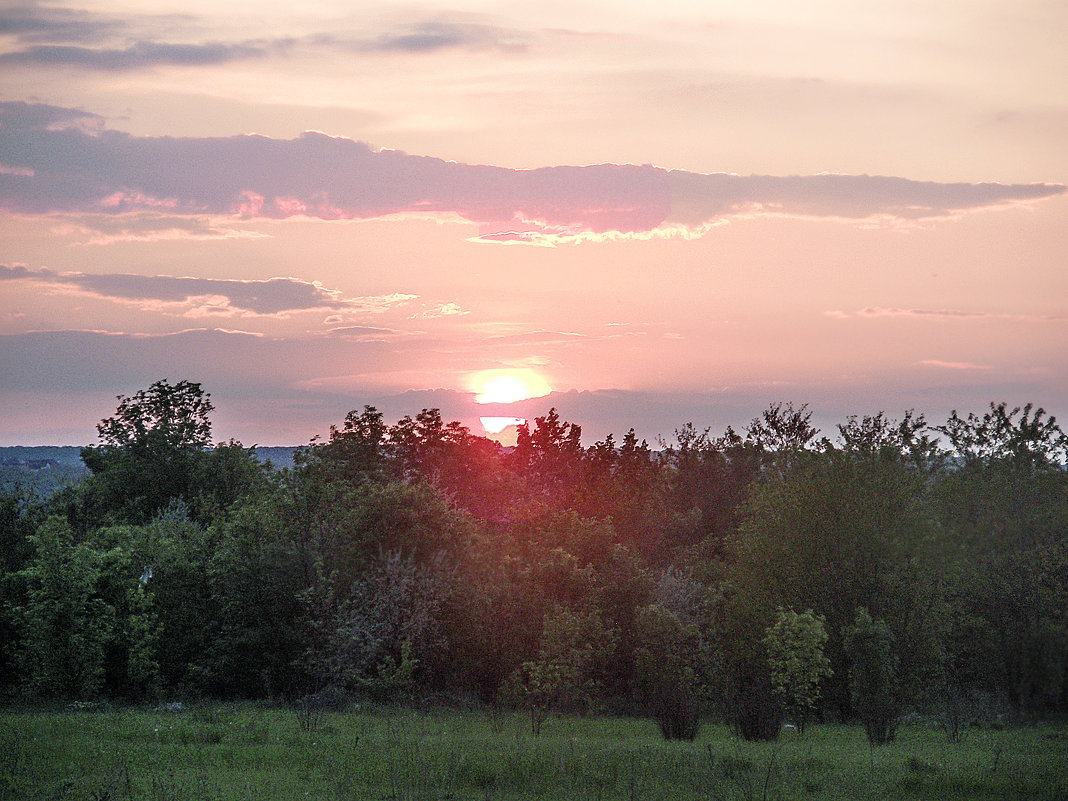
(699, 199)
(953, 365)
(19, 120)
(539, 338)
(204, 297)
(51, 36)
(142, 54)
(431, 36)
(102, 229)
(871, 312)
(440, 310)
(73, 166)
(31, 22)
(361, 332)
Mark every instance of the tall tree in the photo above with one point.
(836, 531)
(148, 452)
(87, 624)
(549, 457)
(708, 482)
(782, 428)
(1005, 501)
(355, 452)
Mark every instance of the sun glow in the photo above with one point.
(498, 386)
(495, 425)
(504, 387)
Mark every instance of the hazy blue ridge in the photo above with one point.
(44, 470)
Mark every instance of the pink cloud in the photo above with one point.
(953, 365)
(124, 201)
(871, 312)
(78, 168)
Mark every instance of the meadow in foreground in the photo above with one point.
(218, 752)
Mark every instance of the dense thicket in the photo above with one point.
(895, 567)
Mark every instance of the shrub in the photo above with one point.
(666, 672)
(753, 708)
(795, 655)
(869, 644)
(573, 651)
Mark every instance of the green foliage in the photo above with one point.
(65, 625)
(173, 554)
(87, 625)
(141, 642)
(17, 524)
(156, 451)
(1005, 504)
(164, 415)
(255, 577)
(419, 559)
(624, 483)
(225, 476)
(393, 678)
(707, 486)
(567, 674)
(879, 437)
(131, 669)
(549, 457)
(1021, 435)
(354, 452)
(835, 531)
(389, 624)
(41, 472)
(795, 645)
(782, 429)
(667, 671)
(149, 450)
(872, 676)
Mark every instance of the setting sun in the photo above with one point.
(504, 387)
(495, 425)
(498, 386)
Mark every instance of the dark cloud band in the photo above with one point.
(265, 297)
(138, 55)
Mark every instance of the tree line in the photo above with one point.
(764, 575)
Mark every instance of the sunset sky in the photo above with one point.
(646, 214)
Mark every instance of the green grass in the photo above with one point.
(220, 752)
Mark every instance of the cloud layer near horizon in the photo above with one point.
(90, 367)
(263, 372)
(61, 160)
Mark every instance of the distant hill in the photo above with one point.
(22, 454)
(41, 470)
(46, 469)
(278, 456)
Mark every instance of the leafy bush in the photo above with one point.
(869, 644)
(574, 648)
(795, 655)
(666, 681)
(753, 708)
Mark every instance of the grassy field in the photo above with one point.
(250, 753)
